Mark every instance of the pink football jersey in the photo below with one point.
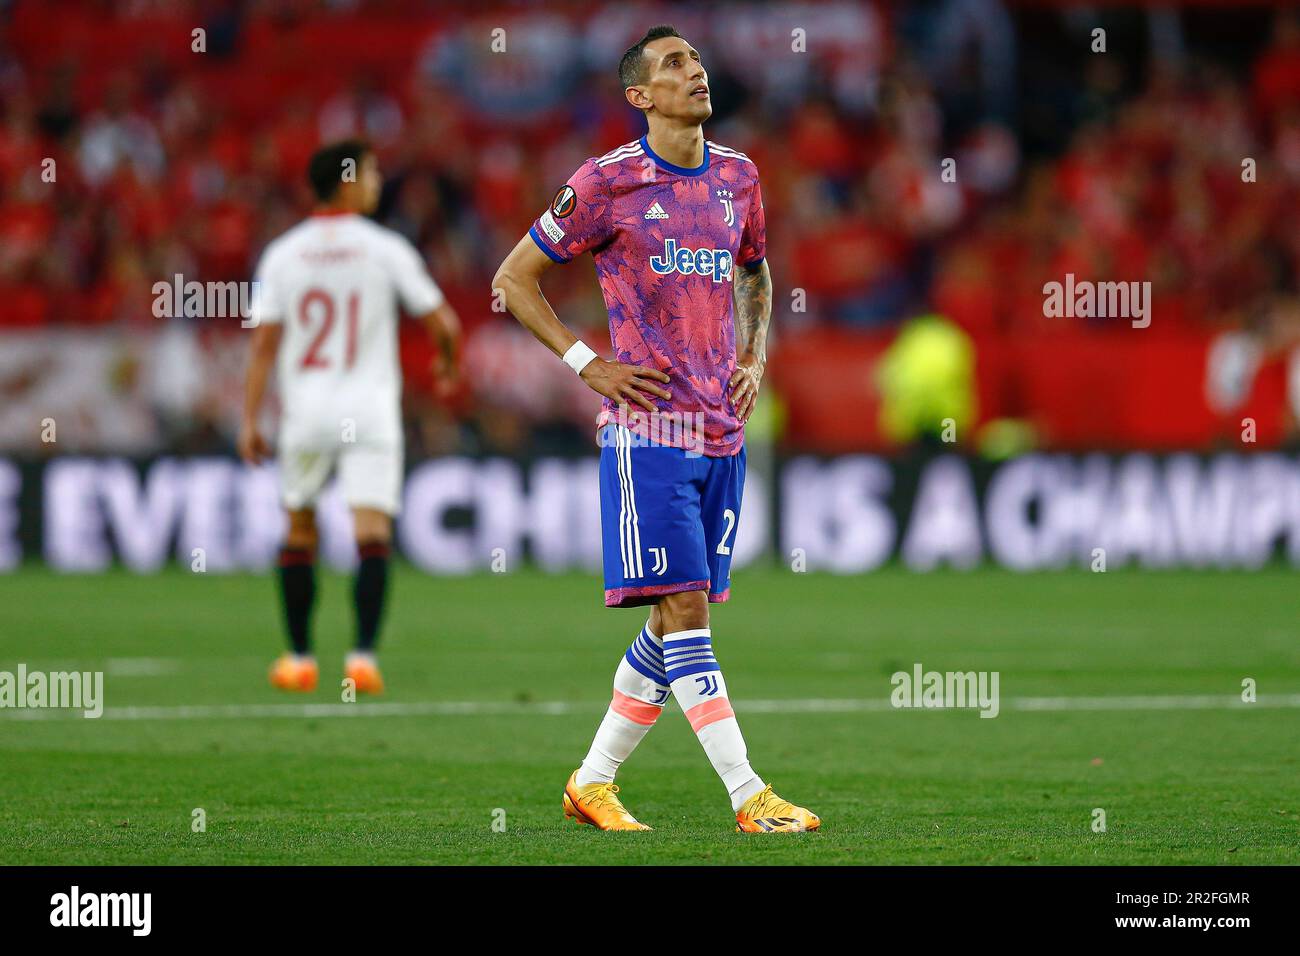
(666, 241)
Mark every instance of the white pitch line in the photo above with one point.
(111, 666)
(141, 666)
(1201, 702)
(483, 708)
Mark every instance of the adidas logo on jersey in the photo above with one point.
(656, 212)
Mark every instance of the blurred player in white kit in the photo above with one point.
(325, 310)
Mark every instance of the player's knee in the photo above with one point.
(302, 534)
(684, 611)
(372, 528)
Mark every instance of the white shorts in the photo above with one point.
(370, 476)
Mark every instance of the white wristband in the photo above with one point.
(578, 356)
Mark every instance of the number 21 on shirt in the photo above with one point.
(317, 305)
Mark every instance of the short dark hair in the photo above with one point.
(325, 171)
(631, 69)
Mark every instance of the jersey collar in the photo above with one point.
(669, 167)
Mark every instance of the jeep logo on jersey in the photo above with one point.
(692, 261)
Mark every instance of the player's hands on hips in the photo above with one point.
(253, 447)
(743, 387)
(625, 383)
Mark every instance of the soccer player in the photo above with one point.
(675, 225)
(326, 305)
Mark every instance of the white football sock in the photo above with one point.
(640, 692)
(696, 680)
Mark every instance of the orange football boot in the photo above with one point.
(292, 673)
(765, 812)
(364, 672)
(597, 805)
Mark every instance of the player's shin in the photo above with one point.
(696, 679)
(368, 593)
(298, 593)
(640, 692)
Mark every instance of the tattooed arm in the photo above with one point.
(753, 291)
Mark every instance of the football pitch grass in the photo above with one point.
(1120, 692)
